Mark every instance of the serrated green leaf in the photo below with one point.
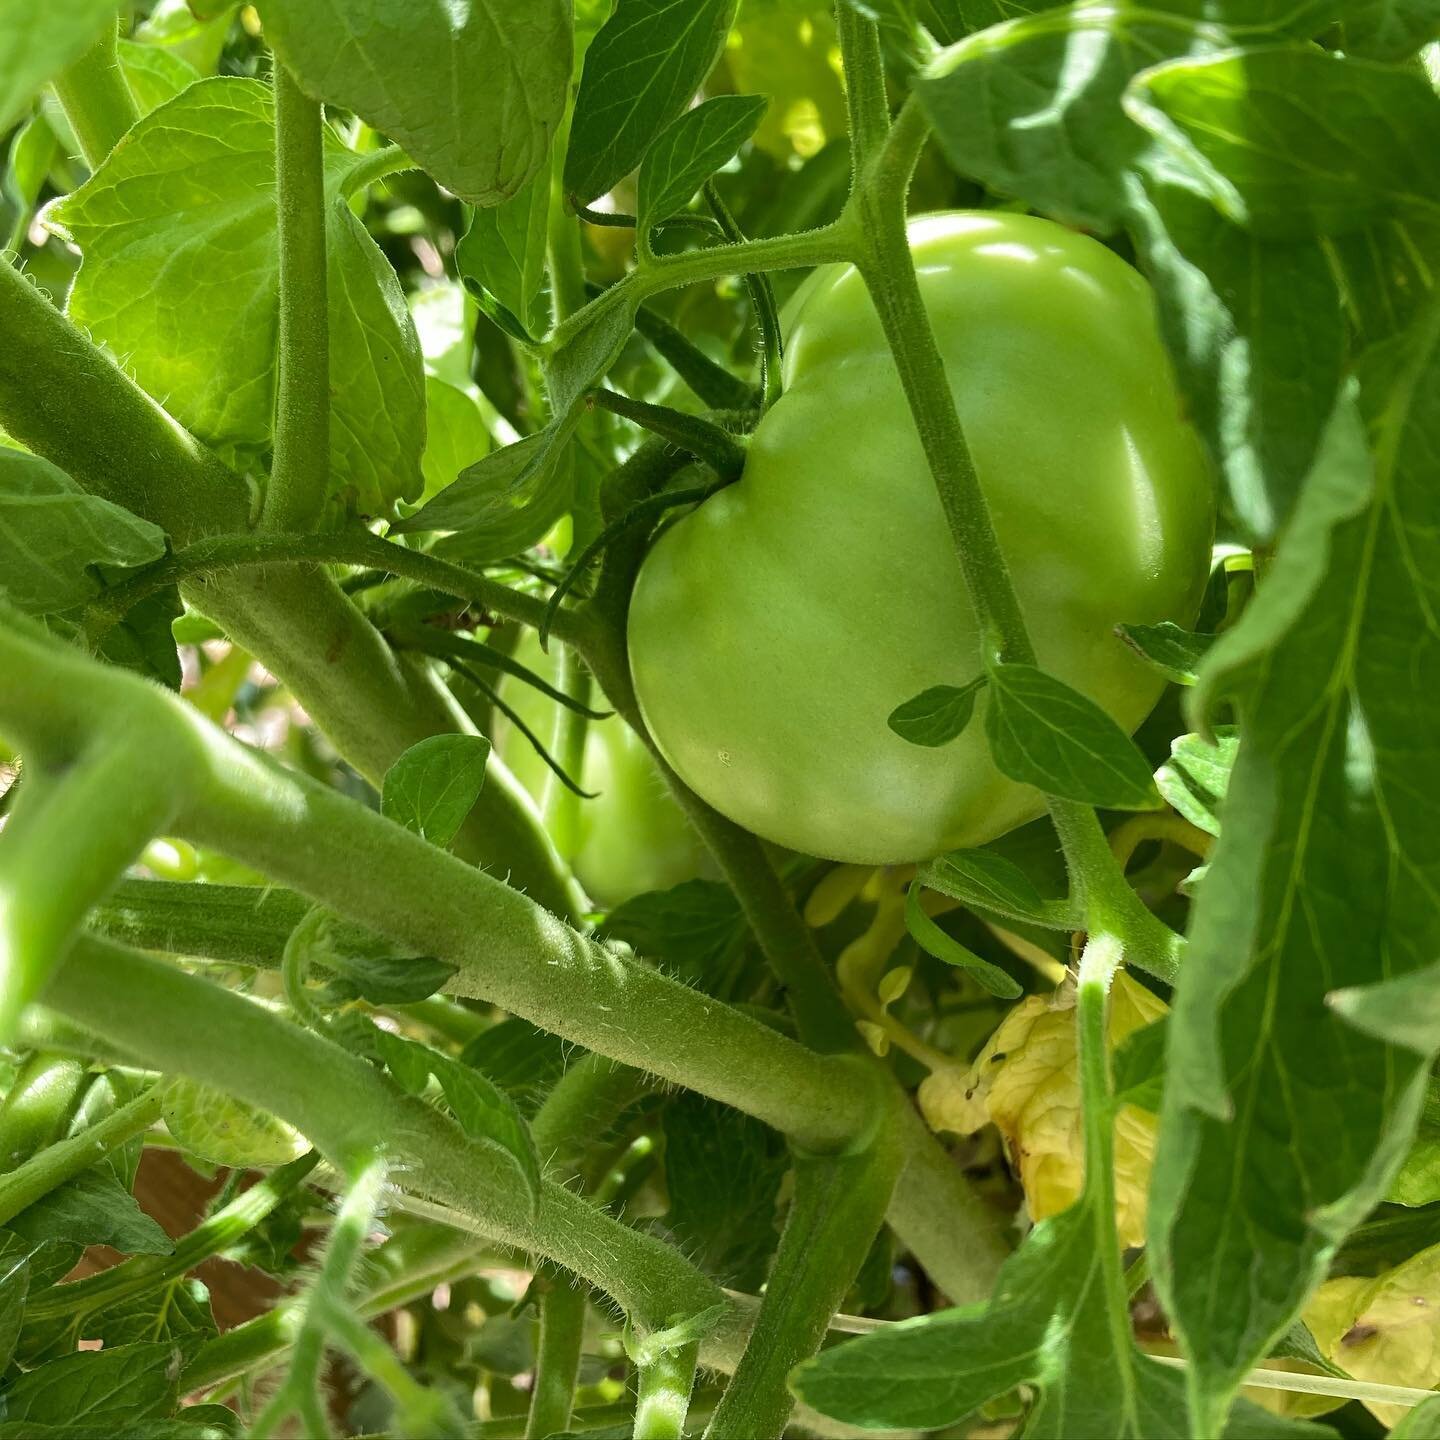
(1175, 652)
(39, 41)
(1282, 1122)
(1139, 1066)
(937, 715)
(92, 1209)
(153, 74)
(988, 881)
(641, 71)
(1044, 733)
(934, 941)
(100, 1389)
(14, 1291)
(456, 435)
(474, 92)
(1017, 109)
(1257, 337)
(499, 506)
(1388, 30)
(52, 532)
(501, 258)
(195, 178)
(1196, 776)
(434, 785)
(690, 150)
(1293, 141)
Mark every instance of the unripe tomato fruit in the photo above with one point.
(775, 628)
(632, 837)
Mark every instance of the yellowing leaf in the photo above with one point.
(1026, 1082)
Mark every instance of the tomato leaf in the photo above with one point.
(1045, 734)
(987, 881)
(501, 258)
(474, 92)
(1139, 1066)
(100, 1390)
(934, 941)
(499, 506)
(1196, 776)
(1389, 30)
(1011, 108)
(640, 72)
(434, 785)
(38, 41)
(937, 715)
(690, 150)
(52, 534)
(197, 174)
(1176, 653)
(1282, 1122)
(1292, 141)
(1257, 336)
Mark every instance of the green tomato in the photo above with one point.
(775, 627)
(632, 837)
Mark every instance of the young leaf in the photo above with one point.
(434, 785)
(1257, 336)
(690, 150)
(153, 74)
(1011, 108)
(206, 1122)
(484, 1111)
(1174, 652)
(1294, 141)
(39, 41)
(1139, 1066)
(456, 435)
(143, 640)
(641, 71)
(501, 258)
(499, 506)
(52, 533)
(934, 941)
(1282, 1122)
(92, 1209)
(1045, 1326)
(1045, 734)
(1388, 30)
(937, 715)
(196, 176)
(987, 881)
(474, 92)
(102, 1390)
(1197, 774)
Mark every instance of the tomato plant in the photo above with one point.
(719, 721)
(773, 631)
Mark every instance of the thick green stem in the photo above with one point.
(839, 1206)
(865, 103)
(178, 1024)
(65, 1159)
(96, 99)
(295, 496)
(664, 1394)
(98, 810)
(557, 1361)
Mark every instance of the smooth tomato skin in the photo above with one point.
(632, 837)
(774, 629)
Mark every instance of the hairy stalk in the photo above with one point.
(65, 1159)
(879, 202)
(299, 472)
(182, 1025)
(96, 99)
(557, 1361)
(665, 1383)
(839, 1206)
(867, 108)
